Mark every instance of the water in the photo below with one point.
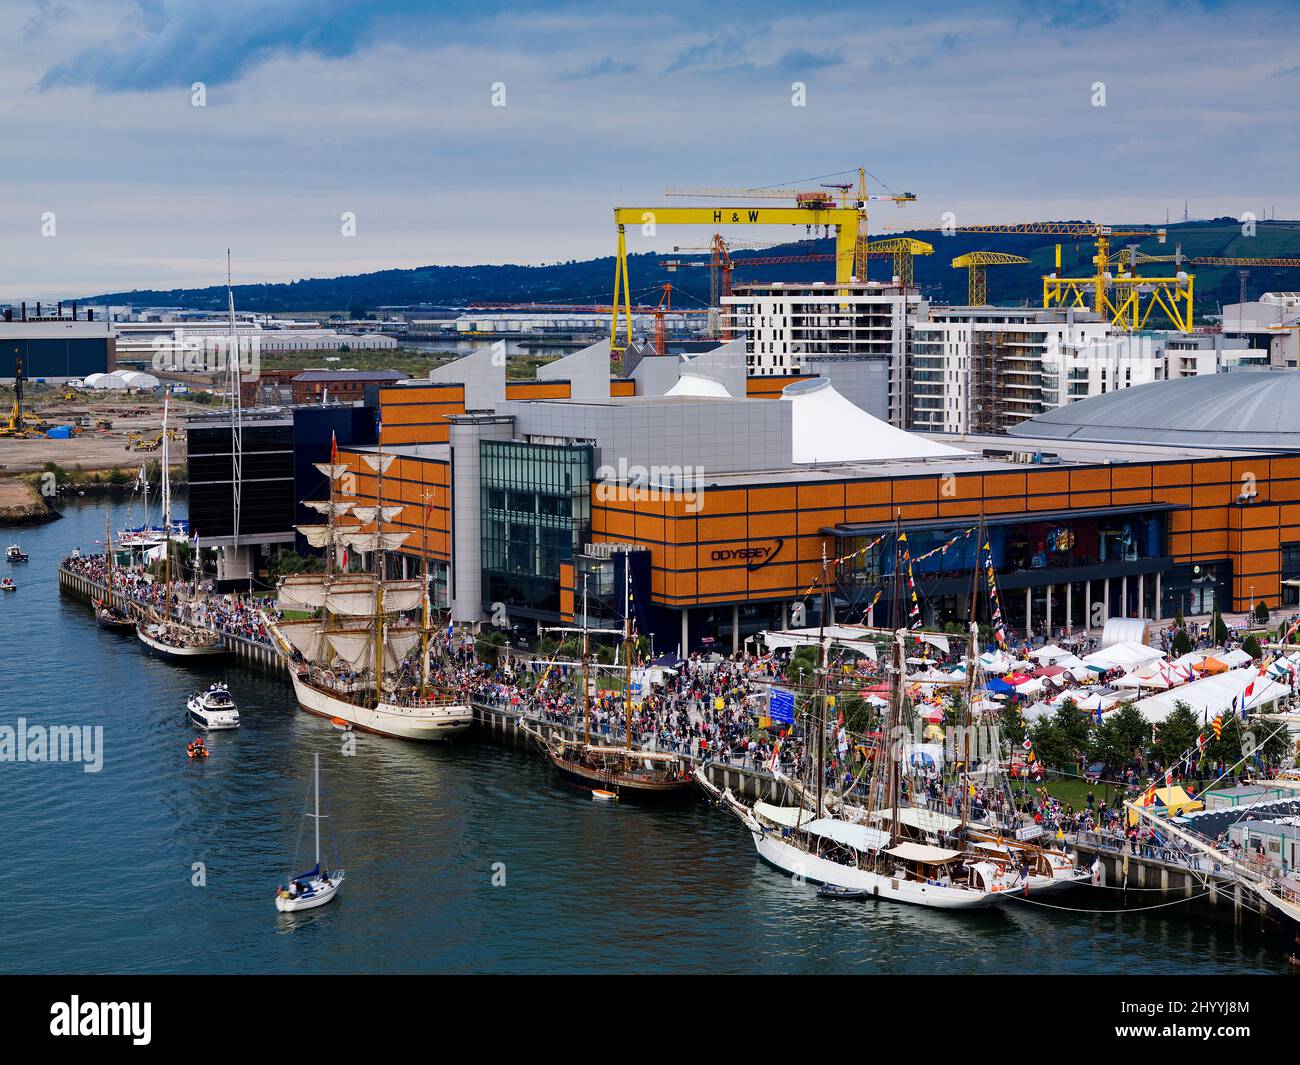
(97, 867)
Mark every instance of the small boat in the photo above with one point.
(107, 612)
(313, 888)
(197, 749)
(16, 554)
(340, 724)
(174, 640)
(213, 709)
(7, 585)
(830, 891)
(113, 617)
(603, 795)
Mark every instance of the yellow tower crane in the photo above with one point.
(976, 264)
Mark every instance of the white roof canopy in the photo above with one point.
(1214, 694)
(826, 427)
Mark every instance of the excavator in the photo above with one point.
(20, 424)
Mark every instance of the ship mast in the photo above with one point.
(586, 689)
(108, 558)
(972, 654)
(379, 578)
(819, 697)
(424, 599)
(167, 522)
(627, 643)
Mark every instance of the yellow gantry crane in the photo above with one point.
(813, 208)
(976, 264)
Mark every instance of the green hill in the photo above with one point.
(590, 280)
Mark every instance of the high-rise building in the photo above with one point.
(855, 335)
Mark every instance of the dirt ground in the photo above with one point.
(93, 449)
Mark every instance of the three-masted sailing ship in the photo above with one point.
(158, 630)
(354, 659)
(607, 769)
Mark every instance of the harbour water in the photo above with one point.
(97, 869)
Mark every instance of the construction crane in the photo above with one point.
(976, 264)
(1119, 298)
(823, 197)
(722, 266)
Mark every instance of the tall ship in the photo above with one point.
(108, 611)
(159, 630)
(359, 656)
(887, 849)
(609, 770)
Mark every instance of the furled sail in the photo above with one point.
(379, 463)
(306, 637)
(354, 648)
(317, 535)
(367, 513)
(324, 506)
(368, 542)
(356, 598)
(305, 592)
(357, 649)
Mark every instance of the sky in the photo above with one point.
(388, 112)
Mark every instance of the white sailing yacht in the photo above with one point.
(351, 662)
(315, 887)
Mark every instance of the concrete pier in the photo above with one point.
(1153, 875)
(251, 653)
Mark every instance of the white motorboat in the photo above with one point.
(16, 554)
(313, 888)
(213, 709)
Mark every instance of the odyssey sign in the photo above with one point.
(754, 557)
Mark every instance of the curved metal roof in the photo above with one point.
(1245, 409)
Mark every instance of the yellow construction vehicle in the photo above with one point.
(20, 423)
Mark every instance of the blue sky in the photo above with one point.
(385, 110)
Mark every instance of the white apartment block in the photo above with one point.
(856, 334)
(1271, 322)
(985, 369)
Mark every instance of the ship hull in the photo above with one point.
(789, 859)
(624, 785)
(168, 650)
(423, 724)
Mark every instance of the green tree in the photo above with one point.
(802, 671)
(1178, 618)
(1182, 644)
(1075, 728)
(1176, 734)
(1051, 743)
(1261, 612)
(1122, 734)
(1251, 645)
(1219, 628)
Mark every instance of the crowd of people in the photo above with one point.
(232, 614)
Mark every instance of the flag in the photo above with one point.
(1217, 725)
(1097, 712)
